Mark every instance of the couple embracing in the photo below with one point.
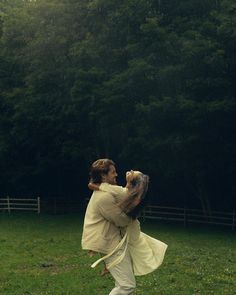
(112, 229)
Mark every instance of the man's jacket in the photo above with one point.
(102, 223)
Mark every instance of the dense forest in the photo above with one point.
(148, 83)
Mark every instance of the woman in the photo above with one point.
(147, 253)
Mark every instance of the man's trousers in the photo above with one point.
(123, 275)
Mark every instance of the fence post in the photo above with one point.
(233, 223)
(185, 217)
(8, 204)
(38, 200)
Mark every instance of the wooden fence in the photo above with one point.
(190, 215)
(9, 204)
(58, 205)
(187, 215)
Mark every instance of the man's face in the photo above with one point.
(110, 177)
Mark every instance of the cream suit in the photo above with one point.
(103, 219)
(102, 233)
(146, 252)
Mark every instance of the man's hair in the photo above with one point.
(99, 168)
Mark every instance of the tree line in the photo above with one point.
(150, 84)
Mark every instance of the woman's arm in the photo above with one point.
(125, 201)
(93, 186)
(119, 192)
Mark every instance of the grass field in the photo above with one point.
(41, 255)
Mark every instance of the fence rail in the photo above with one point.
(190, 215)
(9, 204)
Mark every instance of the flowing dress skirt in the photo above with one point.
(147, 254)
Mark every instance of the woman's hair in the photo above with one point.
(99, 168)
(138, 190)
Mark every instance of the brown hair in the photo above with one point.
(99, 168)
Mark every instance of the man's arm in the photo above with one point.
(112, 212)
(113, 189)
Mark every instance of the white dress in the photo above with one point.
(146, 252)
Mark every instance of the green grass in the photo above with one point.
(41, 255)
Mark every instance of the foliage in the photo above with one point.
(150, 84)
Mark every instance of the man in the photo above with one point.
(102, 227)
